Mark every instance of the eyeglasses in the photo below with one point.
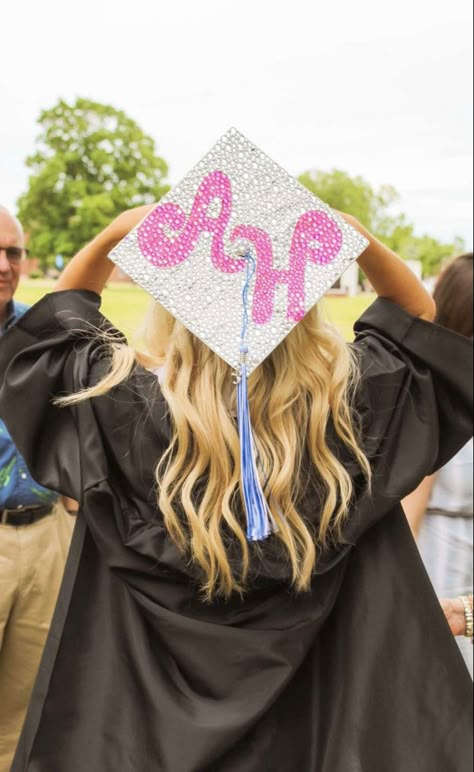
(14, 254)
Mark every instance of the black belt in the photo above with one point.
(25, 515)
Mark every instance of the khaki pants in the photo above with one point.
(32, 561)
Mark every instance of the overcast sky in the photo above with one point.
(375, 88)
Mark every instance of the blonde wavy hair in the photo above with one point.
(308, 380)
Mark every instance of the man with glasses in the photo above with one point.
(34, 538)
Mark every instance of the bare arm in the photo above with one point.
(415, 504)
(91, 267)
(391, 278)
(389, 275)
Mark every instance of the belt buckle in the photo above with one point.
(6, 513)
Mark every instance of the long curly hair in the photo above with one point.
(309, 380)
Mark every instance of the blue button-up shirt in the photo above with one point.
(17, 487)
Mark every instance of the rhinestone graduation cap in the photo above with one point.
(239, 252)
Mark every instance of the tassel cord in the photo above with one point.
(256, 506)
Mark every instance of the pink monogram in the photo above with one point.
(167, 237)
(166, 252)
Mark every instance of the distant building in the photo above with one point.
(348, 282)
(30, 265)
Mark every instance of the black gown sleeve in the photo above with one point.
(50, 352)
(415, 397)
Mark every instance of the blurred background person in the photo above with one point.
(440, 510)
(35, 532)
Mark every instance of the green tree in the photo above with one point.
(355, 196)
(91, 162)
(430, 251)
(351, 194)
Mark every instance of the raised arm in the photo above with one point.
(91, 268)
(389, 275)
(391, 278)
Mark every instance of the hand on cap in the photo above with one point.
(126, 221)
(91, 268)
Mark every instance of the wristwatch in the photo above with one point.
(468, 615)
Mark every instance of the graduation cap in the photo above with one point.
(239, 251)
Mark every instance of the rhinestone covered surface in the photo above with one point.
(188, 253)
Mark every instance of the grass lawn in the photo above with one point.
(124, 305)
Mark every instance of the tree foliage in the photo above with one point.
(91, 162)
(372, 208)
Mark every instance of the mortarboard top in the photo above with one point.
(189, 252)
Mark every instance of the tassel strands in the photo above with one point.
(256, 507)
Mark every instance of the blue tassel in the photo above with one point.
(256, 507)
(260, 522)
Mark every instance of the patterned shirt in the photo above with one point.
(17, 487)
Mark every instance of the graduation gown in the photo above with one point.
(361, 674)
